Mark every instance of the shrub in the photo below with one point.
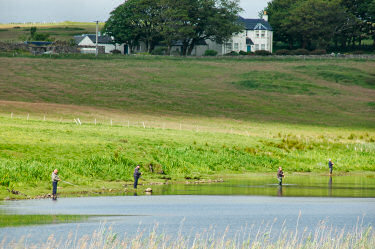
(262, 52)
(116, 51)
(283, 52)
(358, 52)
(301, 51)
(232, 53)
(210, 52)
(318, 52)
(243, 53)
(159, 51)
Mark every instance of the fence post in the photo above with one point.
(79, 121)
(44, 118)
(144, 125)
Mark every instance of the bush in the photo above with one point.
(262, 52)
(210, 52)
(283, 52)
(318, 52)
(232, 53)
(116, 51)
(159, 51)
(358, 52)
(243, 53)
(301, 51)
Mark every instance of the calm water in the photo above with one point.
(191, 209)
(295, 185)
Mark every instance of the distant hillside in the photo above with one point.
(316, 92)
(63, 31)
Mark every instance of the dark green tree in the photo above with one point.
(135, 21)
(167, 21)
(278, 11)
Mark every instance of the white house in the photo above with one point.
(258, 35)
(87, 42)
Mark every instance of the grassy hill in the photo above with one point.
(63, 31)
(190, 117)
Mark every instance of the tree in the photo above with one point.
(135, 21)
(167, 21)
(278, 11)
(314, 22)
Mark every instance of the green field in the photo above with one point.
(188, 117)
(63, 31)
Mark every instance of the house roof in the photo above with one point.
(103, 39)
(255, 24)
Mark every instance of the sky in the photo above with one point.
(20, 11)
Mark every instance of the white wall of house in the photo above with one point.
(262, 39)
(109, 47)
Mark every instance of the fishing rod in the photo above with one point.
(69, 183)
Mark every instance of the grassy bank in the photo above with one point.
(189, 118)
(93, 156)
(12, 220)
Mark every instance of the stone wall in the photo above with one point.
(55, 48)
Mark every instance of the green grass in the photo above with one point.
(203, 117)
(13, 220)
(280, 82)
(341, 74)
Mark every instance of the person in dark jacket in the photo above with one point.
(136, 175)
(55, 180)
(330, 165)
(280, 175)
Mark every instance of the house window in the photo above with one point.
(263, 34)
(256, 47)
(263, 47)
(228, 46)
(236, 46)
(257, 33)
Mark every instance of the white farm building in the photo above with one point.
(258, 35)
(87, 44)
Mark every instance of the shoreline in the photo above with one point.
(120, 188)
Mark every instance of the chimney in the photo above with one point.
(265, 16)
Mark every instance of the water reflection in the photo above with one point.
(330, 186)
(280, 190)
(297, 185)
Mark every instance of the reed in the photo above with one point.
(322, 236)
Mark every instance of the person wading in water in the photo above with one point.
(55, 180)
(136, 175)
(280, 175)
(330, 165)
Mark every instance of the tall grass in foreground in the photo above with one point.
(323, 236)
